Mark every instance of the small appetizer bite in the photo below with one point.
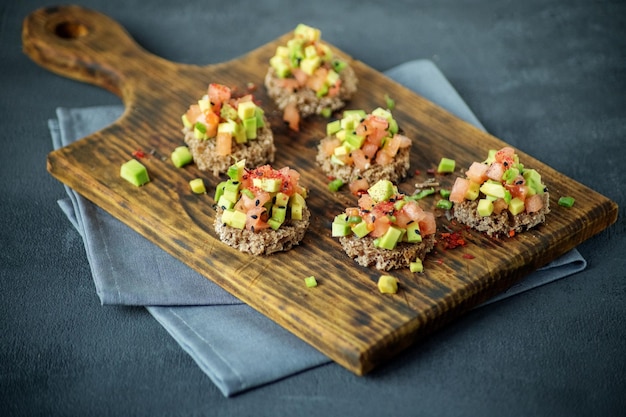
(362, 149)
(500, 196)
(388, 229)
(262, 210)
(221, 128)
(304, 78)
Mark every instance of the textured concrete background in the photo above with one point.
(548, 77)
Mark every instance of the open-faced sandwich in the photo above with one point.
(500, 196)
(221, 128)
(261, 210)
(305, 78)
(388, 229)
(361, 149)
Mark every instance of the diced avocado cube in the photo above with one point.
(274, 224)
(446, 166)
(361, 229)
(386, 114)
(341, 150)
(249, 126)
(354, 141)
(533, 180)
(516, 206)
(393, 126)
(235, 171)
(197, 186)
(310, 282)
(473, 191)
(246, 110)
(310, 51)
(259, 113)
(307, 32)
(510, 175)
(399, 204)
(280, 66)
(491, 156)
(382, 190)
(387, 284)
(485, 207)
(336, 161)
(354, 114)
(228, 112)
(322, 91)
(186, 122)
(199, 131)
(271, 185)
(332, 77)
(391, 238)
(309, 65)
(493, 189)
(333, 127)
(297, 204)
(134, 172)
(234, 218)
(566, 201)
(416, 266)
(227, 127)
(340, 226)
(282, 199)
(181, 156)
(204, 104)
(413, 234)
(225, 203)
(339, 65)
(282, 51)
(219, 190)
(231, 191)
(279, 213)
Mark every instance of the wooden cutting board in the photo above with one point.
(345, 317)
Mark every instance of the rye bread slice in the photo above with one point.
(363, 251)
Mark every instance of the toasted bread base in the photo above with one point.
(394, 172)
(363, 251)
(266, 241)
(499, 224)
(259, 151)
(307, 102)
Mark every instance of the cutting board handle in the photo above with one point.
(85, 45)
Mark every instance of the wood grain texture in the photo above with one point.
(344, 317)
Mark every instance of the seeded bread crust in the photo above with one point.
(306, 100)
(394, 172)
(363, 251)
(259, 151)
(266, 241)
(500, 224)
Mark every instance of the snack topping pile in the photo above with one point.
(500, 183)
(219, 116)
(260, 198)
(386, 216)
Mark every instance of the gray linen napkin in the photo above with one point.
(235, 346)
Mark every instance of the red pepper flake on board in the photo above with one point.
(468, 256)
(452, 240)
(139, 153)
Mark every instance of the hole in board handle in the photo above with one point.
(71, 30)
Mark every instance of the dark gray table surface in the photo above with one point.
(548, 77)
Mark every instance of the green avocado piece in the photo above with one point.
(297, 204)
(361, 229)
(259, 113)
(413, 234)
(533, 180)
(485, 207)
(181, 156)
(249, 126)
(391, 238)
(340, 226)
(281, 199)
(271, 185)
(219, 190)
(354, 141)
(235, 171)
(516, 206)
(228, 112)
(333, 127)
(234, 218)
(199, 131)
(134, 172)
(493, 189)
(382, 190)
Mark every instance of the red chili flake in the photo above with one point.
(417, 172)
(139, 153)
(330, 178)
(468, 256)
(440, 261)
(511, 233)
(452, 240)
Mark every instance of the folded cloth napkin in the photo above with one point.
(235, 346)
